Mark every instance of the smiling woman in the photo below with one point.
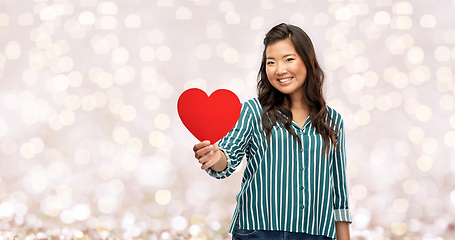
(294, 184)
(285, 69)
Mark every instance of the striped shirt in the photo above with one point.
(285, 187)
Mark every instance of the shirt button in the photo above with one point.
(301, 149)
(301, 188)
(302, 207)
(301, 168)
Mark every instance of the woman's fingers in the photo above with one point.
(203, 154)
(201, 145)
(206, 154)
(200, 149)
(211, 159)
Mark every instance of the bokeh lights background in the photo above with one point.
(91, 146)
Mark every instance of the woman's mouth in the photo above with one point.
(284, 80)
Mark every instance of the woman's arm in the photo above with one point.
(342, 230)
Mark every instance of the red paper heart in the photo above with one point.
(208, 118)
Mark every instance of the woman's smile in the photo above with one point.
(285, 80)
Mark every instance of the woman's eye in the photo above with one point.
(289, 59)
(268, 63)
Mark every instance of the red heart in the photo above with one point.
(208, 118)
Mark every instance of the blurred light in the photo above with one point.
(424, 163)
(82, 156)
(321, 19)
(107, 8)
(116, 186)
(81, 212)
(106, 171)
(133, 21)
(402, 8)
(382, 18)
(343, 14)
(163, 197)
(13, 50)
(411, 186)
(230, 55)
(399, 229)
(48, 14)
(179, 223)
(401, 171)
(430, 145)
(156, 139)
(419, 75)
(444, 74)
(452, 196)
(416, 135)
(120, 55)
(155, 37)
(88, 103)
(258, 22)
(359, 192)
(162, 121)
(25, 19)
(165, 90)
(362, 117)
(183, 13)
(203, 52)
(226, 6)
(163, 53)
(147, 54)
(8, 146)
(165, 3)
(449, 139)
(356, 82)
(121, 135)
(106, 22)
(128, 113)
(152, 102)
(129, 163)
(194, 230)
(86, 18)
(400, 205)
(427, 21)
(64, 191)
(401, 22)
(106, 205)
(423, 113)
(447, 102)
(442, 53)
(416, 55)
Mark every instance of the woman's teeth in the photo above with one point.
(285, 80)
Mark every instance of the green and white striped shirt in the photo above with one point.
(284, 187)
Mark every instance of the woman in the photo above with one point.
(294, 184)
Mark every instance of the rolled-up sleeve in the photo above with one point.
(235, 143)
(340, 190)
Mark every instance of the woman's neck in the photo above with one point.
(296, 104)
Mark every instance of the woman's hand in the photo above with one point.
(210, 156)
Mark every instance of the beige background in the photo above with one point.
(91, 142)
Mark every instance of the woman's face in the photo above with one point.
(285, 69)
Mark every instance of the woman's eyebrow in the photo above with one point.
(287, 55)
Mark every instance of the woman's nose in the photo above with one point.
(281, 69)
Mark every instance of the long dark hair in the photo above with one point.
(272, 100)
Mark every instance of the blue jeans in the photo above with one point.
(241, 234)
